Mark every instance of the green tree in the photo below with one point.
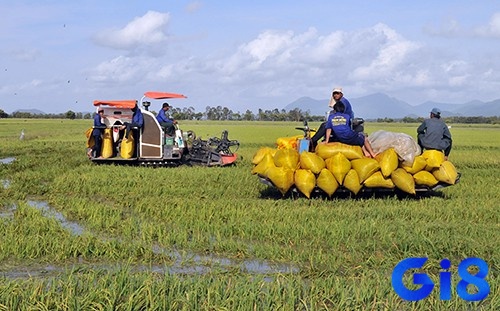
(3, 114)
(70, 115)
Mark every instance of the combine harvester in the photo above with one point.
(336, 169)
(153, 146)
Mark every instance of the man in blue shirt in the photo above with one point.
(95, 151)
(165, 120)
(339, 122)
(337, 96)
(137, 120)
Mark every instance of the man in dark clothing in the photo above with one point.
(95, 151)
(337, 96)
(137, 120)
(165, 120)
(339, 123)
(433, 133)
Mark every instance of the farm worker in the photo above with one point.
(95, 150)
(137, 120)
(337, 96)
(165, 120)
(339, 122)
(433, 133)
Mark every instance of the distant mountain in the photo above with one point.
(380, 105)
(32, 111)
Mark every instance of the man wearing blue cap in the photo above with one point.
(433, 133)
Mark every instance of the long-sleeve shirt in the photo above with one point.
(138, 118)
(163, 117)
(97, 123)
(434, 134)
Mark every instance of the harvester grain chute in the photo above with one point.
(153, 145)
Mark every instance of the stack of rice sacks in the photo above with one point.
(335, 164)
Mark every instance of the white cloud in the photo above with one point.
(392, 52)
(121, 69)
(146, 30)
(492, 29)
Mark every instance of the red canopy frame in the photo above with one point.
(162, 95)
(117, 103)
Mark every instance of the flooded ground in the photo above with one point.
(5, 183)
(8, 160)
(184, 262)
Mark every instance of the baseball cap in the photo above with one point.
(436, 111)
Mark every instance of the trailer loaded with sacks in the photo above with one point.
(152, 145)
(335, 168)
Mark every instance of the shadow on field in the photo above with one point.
(344, 194)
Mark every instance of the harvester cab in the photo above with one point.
(152, 144)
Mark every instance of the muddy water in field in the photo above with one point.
(184, 262)
(7, 160)
(5, 183)
(8, 212)
(48, 211)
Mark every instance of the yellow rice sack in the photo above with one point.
(365, 167)
(425, 178)
(281, 177)
(288, 158)
(419, 164)
(259, 155)
(107, 144)
(311, 161)
(350, 152)
(377, 180)
(90, 139)
(266, 163)
(305, 181)
(434, 158)
(351, 181)
(388, 160)
(339, 165)
(127, 146)
(403, 180)
(288, 142)
(327, 182)
(446, 173)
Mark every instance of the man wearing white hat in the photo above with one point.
(337, 96)
(433, 133)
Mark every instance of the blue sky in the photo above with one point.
(57, 56)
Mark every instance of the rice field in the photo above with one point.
(80, 236)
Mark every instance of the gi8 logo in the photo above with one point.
(478, 280)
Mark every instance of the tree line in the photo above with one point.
(189, 113)
(223, 113)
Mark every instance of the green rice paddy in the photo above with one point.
(80, 236)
